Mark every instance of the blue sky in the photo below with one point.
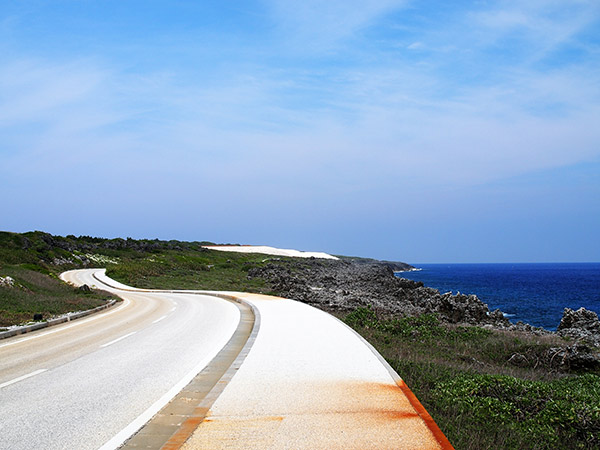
(415, 131)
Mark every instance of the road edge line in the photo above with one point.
(140, 431)
(22, 378)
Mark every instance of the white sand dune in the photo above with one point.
(264, 249)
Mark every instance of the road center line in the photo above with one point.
(161, 318)
(117, 340)
(24, 377)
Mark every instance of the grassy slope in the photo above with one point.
(462, 377)
(37, 289)
(173, 269)
(36, 293)
(460, 374)
(34, 260)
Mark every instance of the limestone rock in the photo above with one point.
(574, 357)
(61, 261)
(580, 325)
(348, 284)
(7, 282)
(84, 288)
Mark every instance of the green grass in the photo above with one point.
(209, 269)
(35, 260)
(466, 347)
(479, 400)
(37, 293)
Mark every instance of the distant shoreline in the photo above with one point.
(534, 293)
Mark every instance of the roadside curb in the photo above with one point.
(57, 321)
(175, 423)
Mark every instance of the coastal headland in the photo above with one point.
(488, 383)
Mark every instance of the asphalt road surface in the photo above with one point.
(93, 381)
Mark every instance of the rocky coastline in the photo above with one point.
(350, 283)
(338, 286)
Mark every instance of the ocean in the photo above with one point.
(533, 293)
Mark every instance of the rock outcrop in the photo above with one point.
(581, 325)
(7, 282)
(349, 283)
(574, 357)
(84, 288)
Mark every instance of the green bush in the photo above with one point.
(564, 413)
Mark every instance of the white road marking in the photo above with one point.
(117, 340)
(75, 324)
(141, 420)
(24, 377)
(159, 319)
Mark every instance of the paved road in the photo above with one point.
(310, 382)
(78, 385)
(306, 382)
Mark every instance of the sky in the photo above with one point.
(417, 131)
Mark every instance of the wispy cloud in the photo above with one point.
(537, 28)
(33, 91)
(349, 102)
(315, 26)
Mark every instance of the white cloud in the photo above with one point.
(31, 91)
(416, 46)
(381, 129)
(382, 126)
(541, 25)
(314, 24)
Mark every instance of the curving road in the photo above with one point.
(305, 380)
(80, 384)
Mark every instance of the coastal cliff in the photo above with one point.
(348, 283)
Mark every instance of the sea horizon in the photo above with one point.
(534, 293)
(509, 262)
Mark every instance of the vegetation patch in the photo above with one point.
(34, 261)
(34, 293)
(207, 269)
(563, 413)
(463, 377)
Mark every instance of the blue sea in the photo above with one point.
(533, 293)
